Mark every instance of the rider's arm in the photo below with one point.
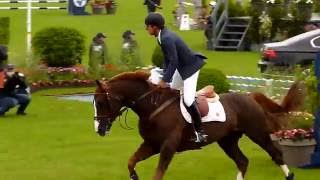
(171, 58)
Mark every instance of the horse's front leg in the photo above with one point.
(167, 151)
(143, 152)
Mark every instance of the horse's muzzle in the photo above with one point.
(101, 133)
(103, 129)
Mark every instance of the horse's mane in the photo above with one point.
(137, 75)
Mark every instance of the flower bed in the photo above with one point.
(294, 134)
(39, 85)
(43, 77)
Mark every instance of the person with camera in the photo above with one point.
(6, 102)
(14, 91)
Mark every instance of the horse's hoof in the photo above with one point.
(134, 176)
(290, 177)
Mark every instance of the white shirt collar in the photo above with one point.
(159, 37)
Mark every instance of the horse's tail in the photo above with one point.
(291, 102)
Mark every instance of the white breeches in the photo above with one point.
(187, 87)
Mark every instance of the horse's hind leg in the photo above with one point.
(143, 152)
(264, 141)
(230, 146)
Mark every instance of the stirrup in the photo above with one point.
(200, 137)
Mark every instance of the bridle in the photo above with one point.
(108, 119)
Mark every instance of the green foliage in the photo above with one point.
(59, 46)
(317, 6)
(255, 11)
(265, 27)
(209, 76)
(157, 57)
(276, 12)
(4, 30)
(301, 121)
(311, 81)
(301, 13)
(237, 9)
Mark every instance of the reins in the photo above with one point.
(125, 109)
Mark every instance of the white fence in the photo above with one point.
(274, 88)
(12, 4)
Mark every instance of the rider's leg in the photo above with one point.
(177, 82)
(189, 93)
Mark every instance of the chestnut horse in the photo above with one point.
(167, 132)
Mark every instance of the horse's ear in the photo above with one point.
(98, 83)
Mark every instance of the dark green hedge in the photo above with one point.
(157, 57)
(210, 76)
(59, 46)
(4, 30)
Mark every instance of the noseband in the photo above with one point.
(108, 120)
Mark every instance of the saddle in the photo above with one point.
(203, 97)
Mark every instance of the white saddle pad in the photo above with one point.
(216, 112)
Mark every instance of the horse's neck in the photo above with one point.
(147, 105)
(133, 91)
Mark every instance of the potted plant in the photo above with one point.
(111, 7)
(297, 141)
(98, 6)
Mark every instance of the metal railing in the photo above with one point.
(218, 20)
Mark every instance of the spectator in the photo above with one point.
(130, 50)
(14, 92)
(98, 54)
(5, 102)
(152, 5)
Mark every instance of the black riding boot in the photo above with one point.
(196, 122)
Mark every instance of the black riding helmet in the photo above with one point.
(155, 19)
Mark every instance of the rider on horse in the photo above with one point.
(181, 67)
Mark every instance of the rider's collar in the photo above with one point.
(159, 37)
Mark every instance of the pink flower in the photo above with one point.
(295, 134)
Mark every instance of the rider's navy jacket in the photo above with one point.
(177, 55)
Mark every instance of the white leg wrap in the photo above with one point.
(239, 176)
(96, 123)
(285, 169)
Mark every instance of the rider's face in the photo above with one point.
(153, 30)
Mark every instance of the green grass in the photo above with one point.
(56, 140)
(130, 15)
